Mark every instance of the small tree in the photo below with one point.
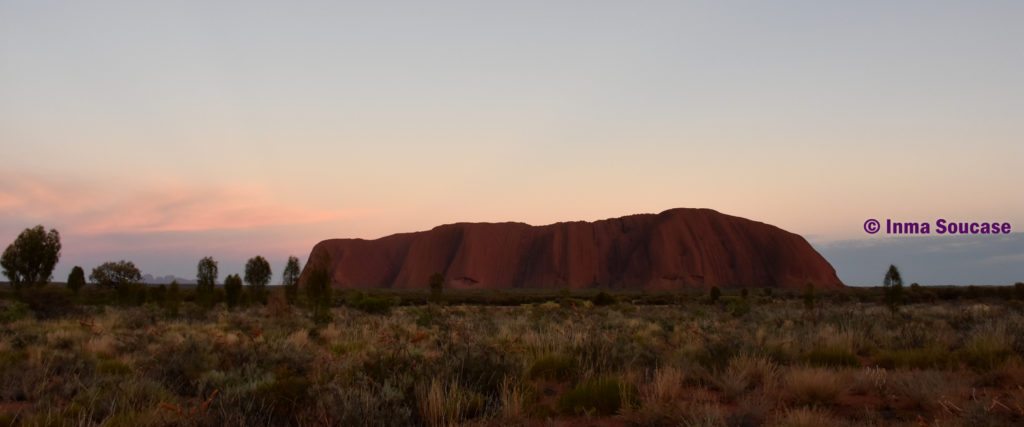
(893, 284)
(257, 275)
(159, 295)
(436, 286)
(76, 280)
(173, 301)
(121, 276)
(233, 290)
(206, 281)
(30, 259)
(116, 275)
(744, 293)
(318, 291)
(715, 294)
(290, 279)
(809, 297)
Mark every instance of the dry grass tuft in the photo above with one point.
(513, 399)
(103, 345)
(665, 387)
(812, 386)
(442, 404)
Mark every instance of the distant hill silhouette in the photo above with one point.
(149, 279)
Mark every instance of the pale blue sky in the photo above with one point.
(152, 130)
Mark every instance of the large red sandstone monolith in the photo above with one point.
(676, 249)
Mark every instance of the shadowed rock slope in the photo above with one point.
(676, 249)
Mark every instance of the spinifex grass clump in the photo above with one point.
(602, 396)
(832, 356)
(553, 367)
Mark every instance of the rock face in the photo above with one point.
(676, 249)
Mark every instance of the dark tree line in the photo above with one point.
(29, 261)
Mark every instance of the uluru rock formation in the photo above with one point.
(676, 249)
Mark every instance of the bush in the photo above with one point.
(371, 304)
(13, 310)
(738, 307)
(985, 352)
(448, 404)
(285, 395)
(233, 290)
(553, 367)
(812, 386)
(605, 396)
(832, 357)
(48, 302)
(715, 294)
(430, 316)
(916, 358)
(604, 298)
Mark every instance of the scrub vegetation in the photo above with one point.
(946, 357)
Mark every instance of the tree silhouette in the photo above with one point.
(116, 275)
(257, 275)
(123, 277)
(173, 300)
(318, 291)
(233, 290)
(436, 286)
(76, 280)
(290, 279)
(206, 280)
(809, 297)
(30, 259)
(893, 284)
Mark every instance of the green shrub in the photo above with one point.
(553, 367)
(985, 352)
(715, 294)
(49, 302)
(284, 396)
(13, 310)
(916, 358)
(430, 316)
(179, 367)
(831, 357)
(371, 304)
(605, 396)
(112, 367)
(604, 298)
(738, 307)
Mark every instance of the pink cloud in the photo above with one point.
(92, 209)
